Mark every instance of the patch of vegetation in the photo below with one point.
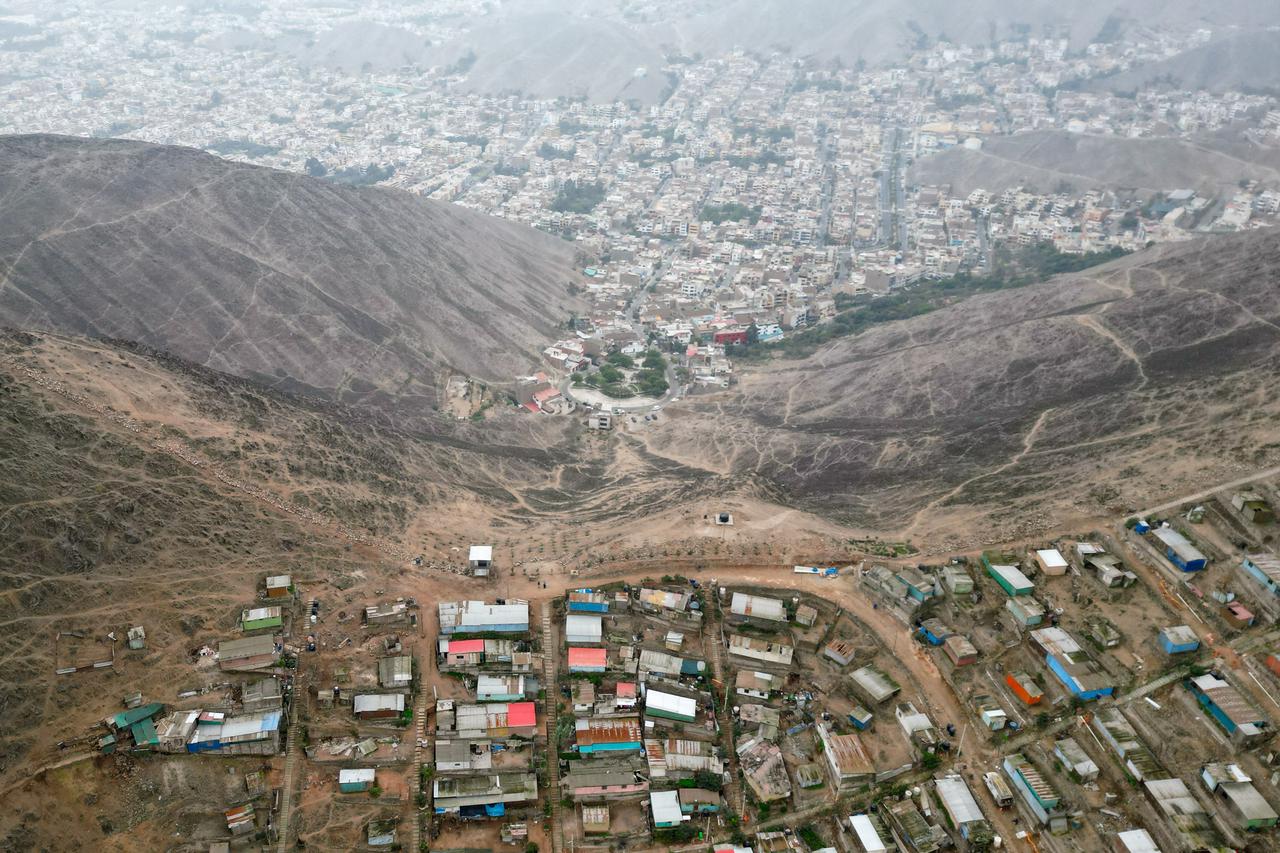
(811, 837)
(1030, 265)
(362, 177)
(578, 198)
(730, 213)
(230, 147)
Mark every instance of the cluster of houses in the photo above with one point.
(644, 738)
(483, 746)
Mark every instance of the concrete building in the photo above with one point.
(764, 770)
(480, 560)
(848, 762)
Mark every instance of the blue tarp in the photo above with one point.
(495, 809)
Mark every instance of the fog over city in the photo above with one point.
(561, 425)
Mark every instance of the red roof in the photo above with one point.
(465, 647)
(626, 689)
(522, 714)
(588, 657)
(545, 394)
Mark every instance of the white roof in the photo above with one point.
(866, 832)
(278, 581)
(477, 614)
(1056, 641)
(958, 799)
(1137, 841)
(656, 700)
(583, 625)
(665, 806)
(363, 774)
(482, 552)
(256, 613)
(1051, 558)
(378, 702)
(1014, 576)
(1178, 543)
(757, 606)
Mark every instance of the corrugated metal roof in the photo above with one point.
(656, 700)
(369, 702)
(588, 657)
(583, 625)
(959, 800)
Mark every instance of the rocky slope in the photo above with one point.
(1045, 160)
(1085, 394)
(357, 294)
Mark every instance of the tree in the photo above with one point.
(621, 359)
(708, 780)
(315, 168)
(653, 360)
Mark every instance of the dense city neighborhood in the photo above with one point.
(763, 195)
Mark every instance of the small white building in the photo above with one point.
(480, 560)
(1051, 562)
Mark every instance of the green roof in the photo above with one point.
(144, 733)
(142, 712)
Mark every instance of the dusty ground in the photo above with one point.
(141, 493)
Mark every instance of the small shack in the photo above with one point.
(357, 780)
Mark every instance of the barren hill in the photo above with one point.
(1043, 160)
(1088, 392)
(358, 294)
(1248, 60)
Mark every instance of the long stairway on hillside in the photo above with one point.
(291, 760)
(713, 642)
(552, 693)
